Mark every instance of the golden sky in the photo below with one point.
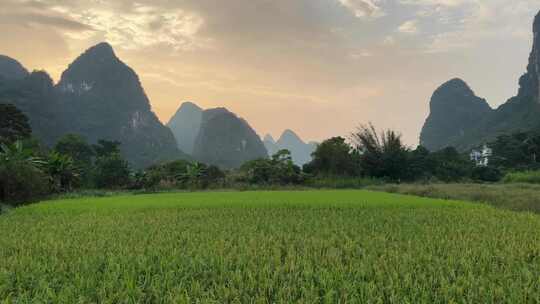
(319, 67)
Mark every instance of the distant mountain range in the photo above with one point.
(98, 97)
(461, 119)
(216, 136)
(300, 151)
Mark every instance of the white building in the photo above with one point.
(481, 157)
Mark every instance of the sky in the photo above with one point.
(318, 67)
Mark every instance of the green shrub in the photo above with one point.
(486, 174)
(22, 183)
(529, 177)
(279, 170)
(111, 172)
(21, 177)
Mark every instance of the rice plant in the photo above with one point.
(268, 247)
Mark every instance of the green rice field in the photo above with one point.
(268, 247)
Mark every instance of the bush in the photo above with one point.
(486, 174)
(64, 175)
(14, 125)
(334, 157)
(529, 177)
(22, 183)
(451, 166)
(279, 170)
(21, 177)
(111, 172)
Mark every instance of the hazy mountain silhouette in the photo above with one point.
(270, 144)
(185, 126)
(226, 140)
(215, 136)
(300, 151)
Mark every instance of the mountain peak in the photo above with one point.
(454, 111)
(98, 69)
(11, 68)
(269, 139)
(185, 125)
(289, 140)
(188, 105)
(456, 84)
(99, 54)
(102, 49)
(289, 136)
(227, 140)
(187, 108)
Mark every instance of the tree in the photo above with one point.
(486, 174)
(450, 165)
(18, 153)
(13, 124)
(21, 177)
(517, 151)
(63, 172)
(105, 148)
(76, 147)
(381, 156)
(193, 178)
(334, 157)
(213, 176)
(258, 171)
(111, 171)
(280, 169)
(173, 169)
(284, 171)
(420, 164)
(147, 180)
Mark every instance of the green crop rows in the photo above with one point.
(268, 247)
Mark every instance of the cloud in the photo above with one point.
(409, 27)
(444, 3)
(389, 41)
(283, 58)
(36, 14)
(140, 26)
(364, 8)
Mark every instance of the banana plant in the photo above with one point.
(194, 175)
(63, 171)
(17, 153)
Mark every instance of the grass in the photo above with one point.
(268, 247)
(516, 197)
(530, 177)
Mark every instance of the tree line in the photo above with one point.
(29, 171)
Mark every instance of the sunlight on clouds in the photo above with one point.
(363, 8)
(143, 26)
(409, 27)
(360, 60)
